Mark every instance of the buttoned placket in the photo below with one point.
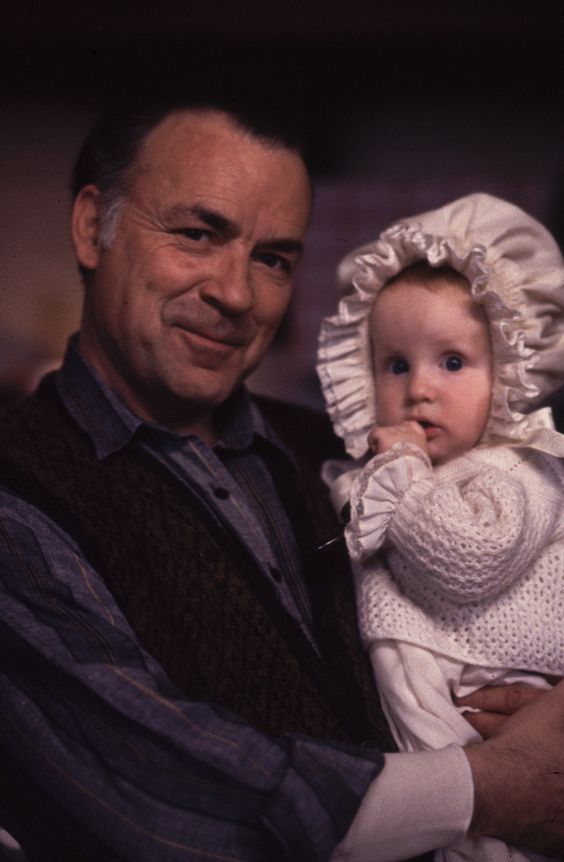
(111, 425)
(191, 457)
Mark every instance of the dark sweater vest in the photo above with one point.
(188, 587)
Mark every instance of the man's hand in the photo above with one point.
(383, 437)
(519, 775)
(496, 703)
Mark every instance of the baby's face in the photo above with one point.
(433, 364)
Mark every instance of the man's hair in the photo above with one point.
(113, 144)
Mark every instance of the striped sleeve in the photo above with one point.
(100, 752)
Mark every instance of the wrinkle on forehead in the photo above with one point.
(205, 158)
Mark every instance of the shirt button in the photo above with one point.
(221, 493)
(276, 574)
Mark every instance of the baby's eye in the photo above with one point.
(453, 363)
(398, 366)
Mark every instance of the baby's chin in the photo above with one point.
(438, 455)
(439, 458)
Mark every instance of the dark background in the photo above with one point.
(404, 106)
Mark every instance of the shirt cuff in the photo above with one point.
(419, 802)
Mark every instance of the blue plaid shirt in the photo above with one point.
(111, 765)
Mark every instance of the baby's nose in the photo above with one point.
(421, 386)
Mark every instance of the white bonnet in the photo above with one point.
(514, 268)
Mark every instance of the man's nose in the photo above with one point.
(228, 286)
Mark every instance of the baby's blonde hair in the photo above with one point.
(433, 278)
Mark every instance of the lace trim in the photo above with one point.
(377, 491)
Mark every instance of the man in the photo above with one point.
(181, 673)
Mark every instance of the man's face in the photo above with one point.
(184, 303)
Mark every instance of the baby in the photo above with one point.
(452, 335)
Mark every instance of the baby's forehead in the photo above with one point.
(407, 301)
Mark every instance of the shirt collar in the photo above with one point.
(111, 425)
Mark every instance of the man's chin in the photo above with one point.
(204, 393)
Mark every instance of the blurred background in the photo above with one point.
(403, 105)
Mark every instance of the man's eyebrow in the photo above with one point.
(229, 228)
(287, 244)
(208, 216)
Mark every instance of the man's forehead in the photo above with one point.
(206, 132)
(203, 158)
(180, 138)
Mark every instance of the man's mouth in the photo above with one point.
(209, 326)
(219, 336)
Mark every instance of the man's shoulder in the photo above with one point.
(300, 426)
(22, 413)
(40, 423)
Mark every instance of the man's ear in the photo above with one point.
(85, 226)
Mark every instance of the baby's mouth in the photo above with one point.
(430, 428)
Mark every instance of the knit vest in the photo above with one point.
(188, 587)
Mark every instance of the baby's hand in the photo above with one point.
(383, 437)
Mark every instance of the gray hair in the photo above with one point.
(112, 208)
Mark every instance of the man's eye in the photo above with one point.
(453, 363)
(398, 366)
(196, 234)
(274, 261)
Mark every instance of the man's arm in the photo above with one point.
(518, 777)
(111, 754)
(92, 726)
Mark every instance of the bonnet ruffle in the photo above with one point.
(514, 268)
